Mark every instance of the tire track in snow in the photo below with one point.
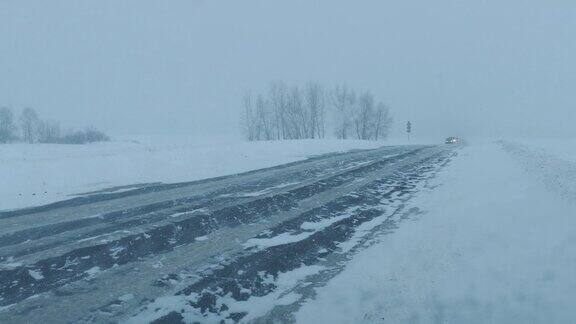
(17, 284)
(290, 249)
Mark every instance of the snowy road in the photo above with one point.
(247, 247)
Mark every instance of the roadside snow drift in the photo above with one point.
(492, 246)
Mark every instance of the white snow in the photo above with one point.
(201, 210)
(92, 272)
(36, 274)
(286, 238)
(103, 235)
(557, 174)
(280, 239)
(564, 149)
(10, 263)
(325, 222)
(493, 246)
(126, 297)
(265, 191)
(255, 306)
(43, 173)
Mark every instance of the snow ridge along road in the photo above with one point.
(234, 248)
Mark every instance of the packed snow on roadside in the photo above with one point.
(556, 172)
(43, 173)
(564, 149)
(493, 245)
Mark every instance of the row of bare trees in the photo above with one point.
(311, 111)
(35, 130)
(285, 113)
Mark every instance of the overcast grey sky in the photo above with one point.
(133, 66)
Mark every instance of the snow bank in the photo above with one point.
(493, 246)
(564, 149)
(557, 174)
(39, 174)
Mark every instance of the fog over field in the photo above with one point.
(473, 69)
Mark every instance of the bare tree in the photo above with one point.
(315, 107)
(279, 101)
(7, 127)
(264, 125)
(363, 116)
(248, 117)
(296, 119)
(382, 122)
(29, 125)
(48, 132)
(343, 100)
(322, 116)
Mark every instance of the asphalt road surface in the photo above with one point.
(206, 248)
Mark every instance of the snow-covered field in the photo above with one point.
(563, 149)
(494, 245)
(42, 173)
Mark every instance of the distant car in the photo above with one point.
(452, 140)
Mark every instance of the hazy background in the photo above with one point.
(470, 68)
